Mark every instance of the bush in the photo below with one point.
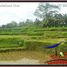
(35, 45)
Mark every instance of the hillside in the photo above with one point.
(32, 38)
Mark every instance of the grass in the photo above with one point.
(32, 38)
(17, 43)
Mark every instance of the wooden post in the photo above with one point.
(56, 51)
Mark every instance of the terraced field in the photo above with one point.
(19, 43)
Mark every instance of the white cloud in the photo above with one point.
(21, 11)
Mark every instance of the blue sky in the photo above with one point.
(21, 11)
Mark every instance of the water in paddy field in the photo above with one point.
(23, 57)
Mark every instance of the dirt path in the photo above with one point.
(22, 61)
(23, 57)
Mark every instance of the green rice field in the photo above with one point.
(14, 46)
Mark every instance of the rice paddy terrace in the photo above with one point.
(23, 42)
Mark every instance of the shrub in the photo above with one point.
(35, 45)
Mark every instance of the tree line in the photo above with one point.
(48, 15)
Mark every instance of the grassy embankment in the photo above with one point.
(32, 38)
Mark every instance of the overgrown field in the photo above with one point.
(33, 38)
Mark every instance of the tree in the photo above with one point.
(12, 24)
(21, 24)
(65, 19)
(59, 20)
(3, 26)
(28, 22)
(45, 11)
(37, 22)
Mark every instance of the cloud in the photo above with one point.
(8, 12)
(18, 11)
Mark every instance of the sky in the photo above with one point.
(21, 11)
